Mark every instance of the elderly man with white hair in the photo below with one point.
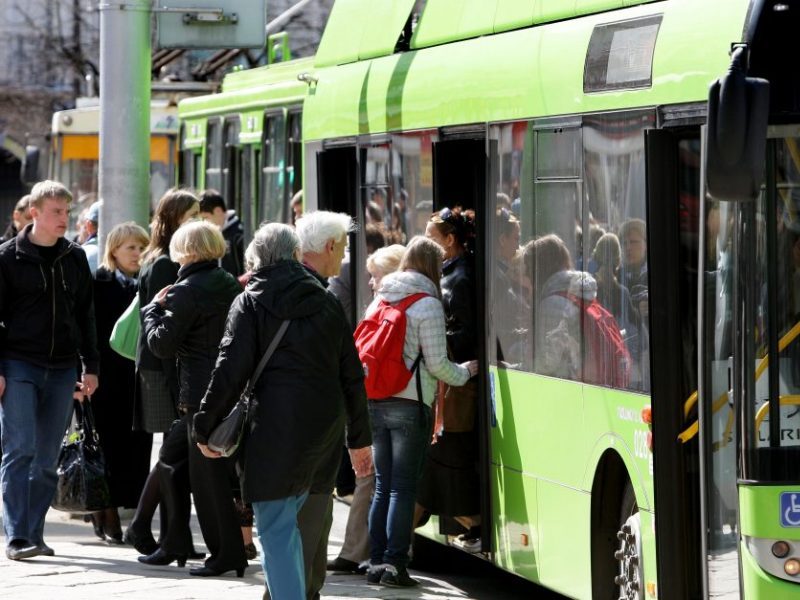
(312, 384)
(323, 239)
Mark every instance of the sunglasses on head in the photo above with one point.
(446, 215)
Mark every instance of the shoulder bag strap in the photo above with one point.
(273, 344)
(418, 368)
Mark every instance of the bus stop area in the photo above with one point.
(86, 568)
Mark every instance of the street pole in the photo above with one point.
(124, 177)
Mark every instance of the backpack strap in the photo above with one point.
(409, 300)
(416, 367)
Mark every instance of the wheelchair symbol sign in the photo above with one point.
(790, 509)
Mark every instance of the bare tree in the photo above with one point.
(69, 36)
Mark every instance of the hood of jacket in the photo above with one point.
(401, 284)
(287, 290)
(575, 283)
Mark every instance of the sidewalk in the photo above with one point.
(85, 568)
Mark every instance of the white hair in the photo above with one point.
(317, 228)
(272, 243)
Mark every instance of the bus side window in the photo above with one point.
(615, 231)
(213, 167)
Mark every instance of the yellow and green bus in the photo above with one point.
(74, 153)
(581, 119)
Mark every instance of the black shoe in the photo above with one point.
(45, 550)
(397, 577)
(209, 572)
(97, 525)
(250, 551)
(115, 539)
(342, 565)
(195, 555)
(145, 544)
(20, 549)
(375, 573)
(161, 558)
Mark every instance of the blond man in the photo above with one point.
(48, 315)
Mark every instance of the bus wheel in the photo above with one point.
(629, 550)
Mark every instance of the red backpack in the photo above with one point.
(606, 360)
(379, 340)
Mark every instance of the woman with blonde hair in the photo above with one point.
(187, 320)
(382, 262)
(127, 452)
(401, 425)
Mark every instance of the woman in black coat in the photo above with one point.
(156, 382)
(450, 484)
(187, 320)
(311, 381)
(127, 452)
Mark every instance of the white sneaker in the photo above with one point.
(471, 545)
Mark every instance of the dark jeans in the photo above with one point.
(35, 411)
(400, 436)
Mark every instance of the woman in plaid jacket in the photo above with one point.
(401, 425)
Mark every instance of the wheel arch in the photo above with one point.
(611, 476)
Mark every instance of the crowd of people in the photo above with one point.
(208, 311)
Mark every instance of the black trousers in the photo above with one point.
(173, 475)
(210, 483)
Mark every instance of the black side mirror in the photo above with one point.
(736, 140)
(30, 165)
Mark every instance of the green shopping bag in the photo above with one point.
(125, 335)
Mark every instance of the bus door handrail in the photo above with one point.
(691, 431)
(788, 400)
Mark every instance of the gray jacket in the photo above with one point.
(425, 332)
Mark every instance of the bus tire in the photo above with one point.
(628, 555)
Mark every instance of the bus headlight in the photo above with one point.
(792, 567)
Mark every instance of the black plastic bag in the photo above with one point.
(82, 484)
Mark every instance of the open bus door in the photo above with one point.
(749, 372)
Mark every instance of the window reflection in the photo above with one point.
(577, 197)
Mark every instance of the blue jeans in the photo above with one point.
(282, 549)
(400, 438)
(35, 411)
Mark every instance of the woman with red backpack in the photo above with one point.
(401, 423)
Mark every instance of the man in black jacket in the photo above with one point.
(323, 238)
(48, 320)
(310, 389)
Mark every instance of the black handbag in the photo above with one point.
(82, 485)
(227, 436)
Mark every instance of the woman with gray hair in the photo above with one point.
(298, 412)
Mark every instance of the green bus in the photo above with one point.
(245, 141)
(582, 121)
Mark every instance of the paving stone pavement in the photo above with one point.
(86, 568)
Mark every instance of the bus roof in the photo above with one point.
(526, 73)
(379, 23)
(85, 120)
(252, 89)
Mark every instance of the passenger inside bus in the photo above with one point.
(509, 305)
(617, 299)
(450, 484)
(558, 292)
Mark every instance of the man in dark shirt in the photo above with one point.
(48, 322)
(212, 208)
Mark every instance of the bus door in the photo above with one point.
(673, 184)
(337, 191)
(460, 178)
(750, 384)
